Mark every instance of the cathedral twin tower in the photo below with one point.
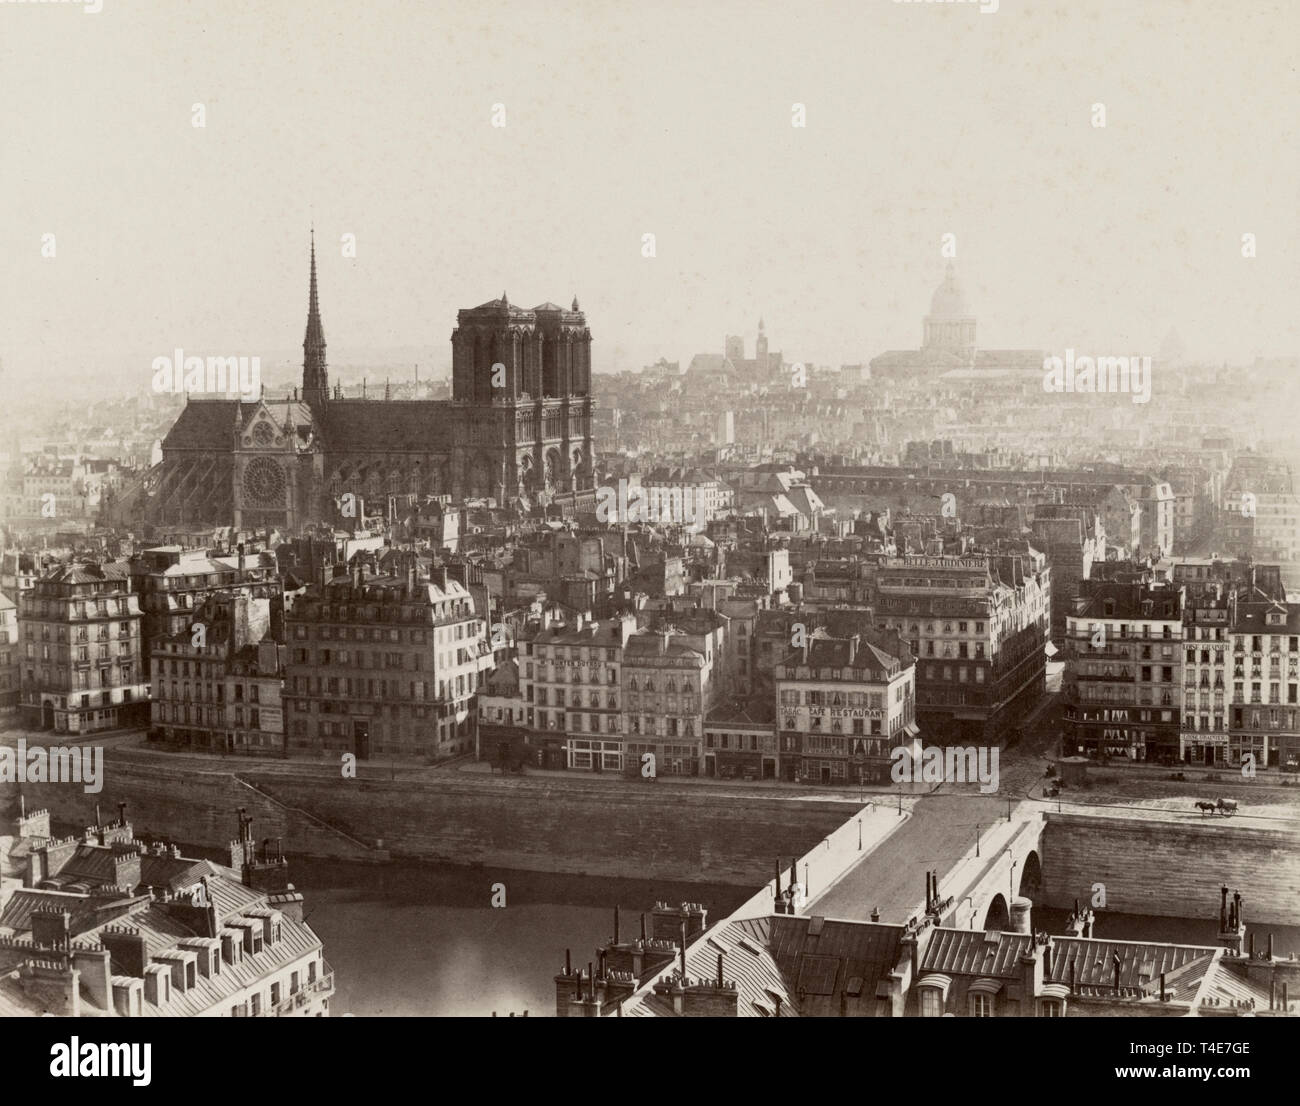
(518, 425)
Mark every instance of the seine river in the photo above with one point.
(409, 940)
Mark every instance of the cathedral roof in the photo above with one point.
(206, 424)
(376, 425)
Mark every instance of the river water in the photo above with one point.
(410, 940)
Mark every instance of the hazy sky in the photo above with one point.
(621, 119)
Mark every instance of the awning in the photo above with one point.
(985, 987)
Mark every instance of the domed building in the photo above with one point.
(948, 342)
(949, 326)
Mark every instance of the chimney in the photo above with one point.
(1022, 915)
(95, 966)
(616, 924)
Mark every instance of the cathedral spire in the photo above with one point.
(315, 377)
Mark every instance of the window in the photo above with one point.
(981, 1006)
(1051, 1008)
(931, 1002)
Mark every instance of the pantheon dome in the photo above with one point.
(950, 326)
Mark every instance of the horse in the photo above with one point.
(1206, 807)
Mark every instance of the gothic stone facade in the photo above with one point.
(518, 423)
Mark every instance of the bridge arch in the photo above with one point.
(998, 917)
(1031, 877)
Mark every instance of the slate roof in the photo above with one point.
(207, 425)
(387, 426)
(743, 712)
(972, 952)
(817, 966)
(15, 919)
(1140, 961)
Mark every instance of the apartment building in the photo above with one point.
(172, 582)
(740, 740)
(81, 650)
(1265, 527)
(1265, 684)
(667, 689)
(572, 688)
(1073, 537)
(10, 671)
(384, 664)
(977, 625)
(1207, 616)
(684, 496)
(842, 704)
(1122, 687)
(776, 632)
(219, 689)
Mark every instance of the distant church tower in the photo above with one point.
(315, 376)
(760, 348)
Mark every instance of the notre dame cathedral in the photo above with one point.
(518, 424)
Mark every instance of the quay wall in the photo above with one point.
(682, 834)
(1172, 869)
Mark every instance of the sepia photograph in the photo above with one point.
(609, 509)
